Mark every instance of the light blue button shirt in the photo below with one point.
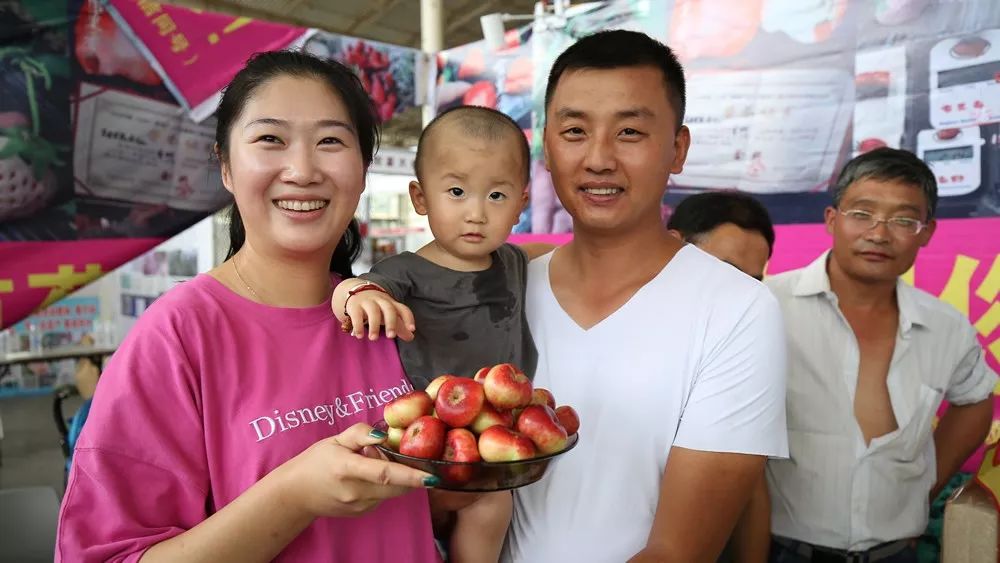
(834, 490)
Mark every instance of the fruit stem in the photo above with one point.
(32, 104)
(32, 69)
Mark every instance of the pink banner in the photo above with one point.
(961, 266)
(197, 53)
(37, 274)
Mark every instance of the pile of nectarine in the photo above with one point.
(495, 416)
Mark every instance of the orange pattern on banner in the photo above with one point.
(988, 477)
(6, 286)
(65, 280)
(165, 25)
(988, 290)
(179, 43)
(958, 292)
(909, 276)
(149, 8)
(213, 38)
(198, 52)
(989, 320)
(994, 349)
(988, 474)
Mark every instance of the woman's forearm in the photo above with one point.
(254, 527)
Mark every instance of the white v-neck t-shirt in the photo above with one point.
(695, 359)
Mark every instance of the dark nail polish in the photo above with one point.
(431, 481)
(377, 434)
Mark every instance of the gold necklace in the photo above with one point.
(250, 289)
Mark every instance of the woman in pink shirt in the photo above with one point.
(232, 423)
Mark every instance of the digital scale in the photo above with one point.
(955, 157)
(965, 80)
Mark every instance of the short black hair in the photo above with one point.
(620, 48)
(478, 122)
(698, 214)
(887, 165)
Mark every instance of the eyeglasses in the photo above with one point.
(866, 221)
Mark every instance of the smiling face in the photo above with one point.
(882, 253)
(294, 167)
(611, 143)
(472, 192)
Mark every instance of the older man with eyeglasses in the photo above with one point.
(870, 361)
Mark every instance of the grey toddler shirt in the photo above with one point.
(465, 320)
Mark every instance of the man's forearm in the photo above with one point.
(702, 495)
(751, 540)
(962, 429)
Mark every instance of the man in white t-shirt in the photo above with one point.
(674, 359)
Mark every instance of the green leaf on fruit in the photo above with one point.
(39, 153)
(34, 70)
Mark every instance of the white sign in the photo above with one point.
(136, 149)
(766, 131)
(393, 161)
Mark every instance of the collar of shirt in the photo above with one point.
(816, 281)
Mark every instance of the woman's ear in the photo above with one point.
(227, 177)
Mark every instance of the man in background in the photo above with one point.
(731, 226)
(870, 359)
(736, 229)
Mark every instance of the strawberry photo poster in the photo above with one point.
(35, 141)
(388, 72)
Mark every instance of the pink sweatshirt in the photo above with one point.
(210, 392)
